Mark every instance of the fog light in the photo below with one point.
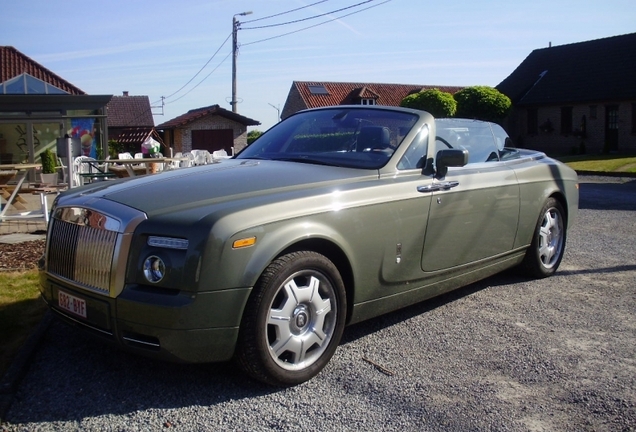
(154, 269)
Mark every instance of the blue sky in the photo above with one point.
(155, 47)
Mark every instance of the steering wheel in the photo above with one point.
(438, 138)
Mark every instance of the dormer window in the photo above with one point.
(367, 101)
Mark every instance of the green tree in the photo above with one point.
(436, 102)
(482, 103)
(253, 135)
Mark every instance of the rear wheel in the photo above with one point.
(548, 243)
(293, 320)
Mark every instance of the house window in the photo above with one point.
(566, 120)
(368, 101)
(592, 111)
(533, 121)
(318, 89)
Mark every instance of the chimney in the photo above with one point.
(125, 93)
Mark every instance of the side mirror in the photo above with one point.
(449, 158)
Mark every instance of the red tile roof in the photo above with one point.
(14, 63)
(342, 93)
(198, 113)
(130, 111)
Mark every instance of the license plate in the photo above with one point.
(72, 304)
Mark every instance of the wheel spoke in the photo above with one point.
(291, 344)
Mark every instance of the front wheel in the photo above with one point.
(293, 320)
(548, 242)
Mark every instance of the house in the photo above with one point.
(306, 94)
(38, 107)
(575, 98)
(130, 122)
(209, 128)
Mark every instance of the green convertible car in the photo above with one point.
(333, 216)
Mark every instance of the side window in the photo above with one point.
(501, 137)
(415, 155)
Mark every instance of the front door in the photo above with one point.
(473, 220)
(611, 127)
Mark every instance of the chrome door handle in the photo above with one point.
(437, 186)
(448, 185)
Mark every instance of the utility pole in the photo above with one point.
(235, 27)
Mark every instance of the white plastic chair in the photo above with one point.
(188, 161)
(219, 155)
(80, 168)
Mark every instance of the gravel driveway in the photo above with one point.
(503, 354)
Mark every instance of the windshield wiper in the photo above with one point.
(303, 159)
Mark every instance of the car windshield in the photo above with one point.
(346, 137)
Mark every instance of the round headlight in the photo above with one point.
(154, 269)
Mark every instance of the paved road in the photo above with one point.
(503, 354)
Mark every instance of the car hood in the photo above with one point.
(231, 180)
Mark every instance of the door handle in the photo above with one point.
(448, 185)
(438, 186)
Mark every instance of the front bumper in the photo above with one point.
(164, 324)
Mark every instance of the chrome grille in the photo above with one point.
(81, 253)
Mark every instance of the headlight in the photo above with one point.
(154, 269)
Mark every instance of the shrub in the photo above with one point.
(48, 161)
(436, 102)
(482, 103)
(253, 136)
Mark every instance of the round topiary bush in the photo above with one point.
(483, 103)
(434, 101)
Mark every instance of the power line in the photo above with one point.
(162, 100)
(200, 82)
(308, 18)
(316, 25)
(284, 13)
(203, 67)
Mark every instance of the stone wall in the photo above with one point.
(555, 143)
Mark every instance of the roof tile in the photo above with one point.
(14, 63)
(198, 113)
(130, 111)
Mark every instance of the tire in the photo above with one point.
(293, 320)
(548, 242)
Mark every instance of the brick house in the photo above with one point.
(130, 122)
(306, 94)
(209, 128)
(575, 98)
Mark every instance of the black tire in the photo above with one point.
(548, 241)
(293, 320)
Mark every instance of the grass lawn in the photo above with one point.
(601, 163)
(21, 309)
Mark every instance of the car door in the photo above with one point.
(473, 214)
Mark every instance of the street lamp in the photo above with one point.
(235, 27)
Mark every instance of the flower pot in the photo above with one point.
(49, 179)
